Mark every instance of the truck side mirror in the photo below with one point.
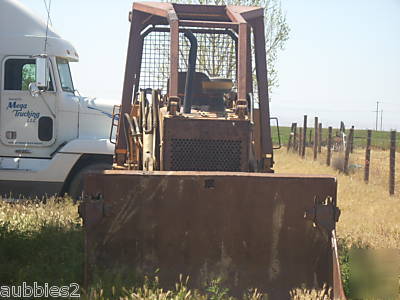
(33, 89)
(41, 73)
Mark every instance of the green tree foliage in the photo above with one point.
(28, 75)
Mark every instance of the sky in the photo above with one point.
(341, 57)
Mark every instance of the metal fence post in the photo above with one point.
(329, 148)
(392, 161)
(294, 137)
(367, 157)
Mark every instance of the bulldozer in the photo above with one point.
(193, 191)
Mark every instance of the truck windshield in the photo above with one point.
(65, 75)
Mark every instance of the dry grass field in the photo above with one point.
(44, 241)
(368, 214)
(369, 221)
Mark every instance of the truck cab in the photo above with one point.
(50, 134)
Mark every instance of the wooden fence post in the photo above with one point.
(392, 161)
(329, 149)
(295, 137)
(352, 140)
(319, 137)
(315, 148)
(303, 150)
(300, 141)
(347, 153)
(290, 138)
(367, 156)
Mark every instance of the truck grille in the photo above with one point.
(205, 155)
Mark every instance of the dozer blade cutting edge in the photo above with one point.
(251, 230)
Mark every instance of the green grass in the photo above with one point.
(51, 254)
(380, 139)
(40, 242)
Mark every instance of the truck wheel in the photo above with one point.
(76, 185)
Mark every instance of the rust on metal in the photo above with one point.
(236, 17)
(338, 291)
(205, 144)
(250, 229)
(208, 24)
(261, 72)
(154, 8)
(185, 196)
(131, 78)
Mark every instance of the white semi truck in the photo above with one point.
(49, 135)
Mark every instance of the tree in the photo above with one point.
(28, 75)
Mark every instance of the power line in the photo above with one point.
(377, 113)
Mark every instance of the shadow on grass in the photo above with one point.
(369, 273)
(51, 255)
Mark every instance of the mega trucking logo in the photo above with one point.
(21, 110)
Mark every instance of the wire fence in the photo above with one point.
(367, 152)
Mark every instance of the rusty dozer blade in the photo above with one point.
(251, 230)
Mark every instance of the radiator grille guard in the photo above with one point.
(205, 155)
(205, 145)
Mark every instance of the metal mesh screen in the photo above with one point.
(205, 155)
(215, 57)
(154, 70)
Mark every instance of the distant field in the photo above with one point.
(380, 139)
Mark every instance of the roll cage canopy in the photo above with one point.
(239, 21)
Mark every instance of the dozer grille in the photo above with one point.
(205, 155)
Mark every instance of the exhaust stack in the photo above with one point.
(187, 103)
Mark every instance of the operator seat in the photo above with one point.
(206, 91)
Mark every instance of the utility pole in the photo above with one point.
(377, 113)
(381, 119)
